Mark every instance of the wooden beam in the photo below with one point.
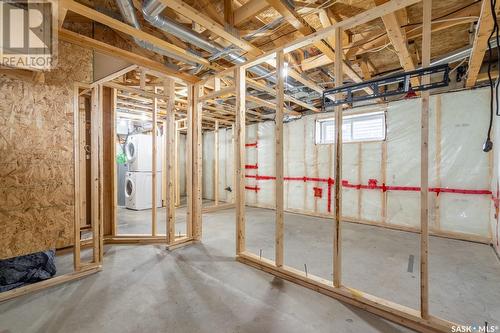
(195, 15)
(305, 29)
(348, 23)
(337, 237)
(96, 16)
(90, 43)
(398, 40)
(251, 9)
(239, 156)
(229, 17)
(424, 164)
(483, 31)
(280, 195)
(262, 87)
(217, 94)
(370, 42)
(115, 75)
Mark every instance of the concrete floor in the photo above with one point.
(202, 289)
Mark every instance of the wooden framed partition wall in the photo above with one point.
(86, 111)
(418, 319)
(160, 104)
(213, 107)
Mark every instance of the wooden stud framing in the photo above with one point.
(239, 165)
(176, 165)
(337, 246)
(94, 172)
(189, 168)
(216, 163)
(77, 175)
(197, 162)
(154, 195)
(171, 158)
(280, 195)
(424, 165)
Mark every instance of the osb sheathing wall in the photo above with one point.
(36, 167)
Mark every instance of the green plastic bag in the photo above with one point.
(121, 158)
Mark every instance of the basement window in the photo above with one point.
(355, 128)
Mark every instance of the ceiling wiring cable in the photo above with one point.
(488, 144)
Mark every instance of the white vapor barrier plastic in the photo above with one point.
(381, 179)
(225, 165)
(494, 216)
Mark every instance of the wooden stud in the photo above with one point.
(100, 164)
(337, 247)
(176, 165)
(170, 150)
(437, 213)
(76, 164)
(216, 163)
(424, 165)
(189, 162)
(239, 165)
(280, 87)
(154, 196)
(197, 159)
(114, 176)
(94, 172)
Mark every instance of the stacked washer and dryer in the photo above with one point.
(138, 181)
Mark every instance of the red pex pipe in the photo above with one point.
(248, 145)
(372, 185)
(251, 166)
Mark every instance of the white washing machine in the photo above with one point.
(139, 152)
(138, 190)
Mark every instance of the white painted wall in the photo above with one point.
(464, 121)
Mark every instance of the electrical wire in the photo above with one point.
(488, 144)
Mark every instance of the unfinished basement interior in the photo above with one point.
(249, 166)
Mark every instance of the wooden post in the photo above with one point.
(114, 193)
(280, 99)
(189, 162)
(437, 213)
(94, 172)
(239, 184)
(100, 164)
(424, 165)
(337, 264)
(153, 176)
(216, 163)
(235, 161)
(197, 166)
(77, 170)
(176, 166)
(170, 133)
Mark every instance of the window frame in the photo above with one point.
(319, 122)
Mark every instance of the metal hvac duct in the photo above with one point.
(152, 9)
(127, 10)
